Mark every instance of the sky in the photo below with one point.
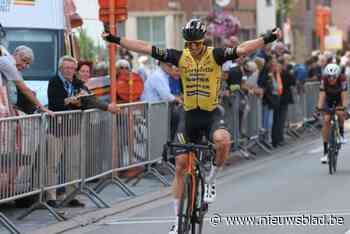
(88, 10)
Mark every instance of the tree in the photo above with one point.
(88, 49)
(284, 7)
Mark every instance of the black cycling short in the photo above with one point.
(332, 101)
(195, 124)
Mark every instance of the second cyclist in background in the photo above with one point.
(333, 91)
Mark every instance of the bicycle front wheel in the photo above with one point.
(201, 207)
(185, 208)
(335, 161)
(330, 160)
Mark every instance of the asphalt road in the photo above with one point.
(292, 186)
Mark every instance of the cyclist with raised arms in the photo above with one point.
(200, 73)
(333, 91)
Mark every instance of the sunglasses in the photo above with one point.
(194, 43)
(331, 78)
(123, 68)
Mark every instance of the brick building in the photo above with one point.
(160, 21)
(303, 18)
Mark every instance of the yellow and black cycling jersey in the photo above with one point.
(200, 79)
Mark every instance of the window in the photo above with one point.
(308, 5)
(268, 3)
(244, 34)
(152, 30)
(121, 29)
(328, 3)
(44, 44)
(5, 5)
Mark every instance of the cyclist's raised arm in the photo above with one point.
(250, 46)
(132, 45)
(165, 55)
(222, 55)
(322, 95)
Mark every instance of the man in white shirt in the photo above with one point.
(157, 87)
(10, 68)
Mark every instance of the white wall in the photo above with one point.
(265, 16)
(43, 14)
(88, 10)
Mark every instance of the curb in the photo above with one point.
(95, 216)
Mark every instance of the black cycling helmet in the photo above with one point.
(194, 30)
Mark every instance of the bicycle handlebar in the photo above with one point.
(191, 146)
(332, 109)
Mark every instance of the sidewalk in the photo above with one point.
(148, 190)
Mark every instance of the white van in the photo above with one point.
(40, 25)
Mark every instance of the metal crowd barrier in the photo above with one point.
(300, 116)
(296, 111)
(19, 162)
(231, 105)
(252, 122)
(312, 90)
(40, 154)
(98, 133)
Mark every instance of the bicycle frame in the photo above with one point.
(195, 171)
(191, 167)
(333, 141)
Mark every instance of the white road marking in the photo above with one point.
(170, 219)
(315, 151)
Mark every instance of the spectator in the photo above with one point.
(126, 55)
(123, 64)
(237, 79)
(84, 70)
(270, 81)
(240, 75)
(345, 59)
(65, 92)
(157, 86)
(143, 69)
(265, 52)
(347, 70)
(279, 49)
(129, 84)
(10, 77)
(288, 80)
(313, 70)
(101, 69)
(174, 82)
(300, 72)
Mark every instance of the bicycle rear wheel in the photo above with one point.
(185, 208)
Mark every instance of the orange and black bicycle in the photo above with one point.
(192, 207)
